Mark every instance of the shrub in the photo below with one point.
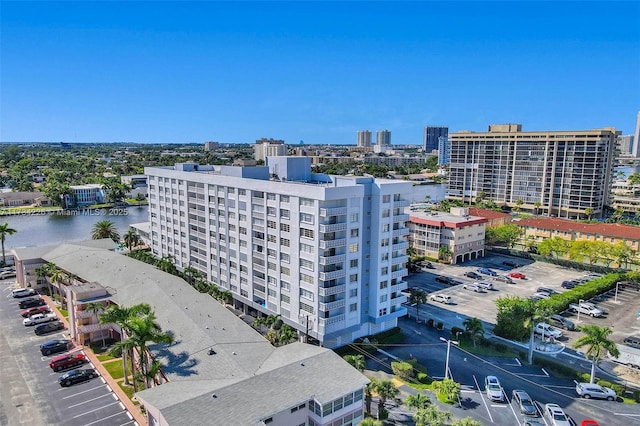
(584, 377)
(636, 396)
(604, 383)
(404, 370)
(430, 322)
(440, 325)
(618, 389)
(501, 347)
(423, 378)
(455, 331)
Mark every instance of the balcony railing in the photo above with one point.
(399, 299)
(328, 291)
(399, 274)
(401, 218)
(330, 260)
(327, 244)
(402, 285)
(399, 259)
(331, 320)
(334, 275)
(400, 232)
(401, 203)
(400, 246)
(334, 227)
(332, 305)
(92, 328)
(335, 211)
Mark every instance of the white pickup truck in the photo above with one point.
(586, 308)
(39, 319)
(628, 356)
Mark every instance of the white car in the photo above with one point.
(592, 390)
(442, 298)
(485, 285)
(473, 287)
(547, 330)
(555, 415)
(493, 388)
(7, 274)
(539, 295)
(39, 319)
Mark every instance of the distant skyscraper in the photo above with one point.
(364, 138)
(431, 135)
(635, 152)
(625, 144)
(444, 151)
(383, 137)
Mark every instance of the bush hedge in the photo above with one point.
(560, 302)
(404, 370)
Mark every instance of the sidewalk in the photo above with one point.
(111, 382)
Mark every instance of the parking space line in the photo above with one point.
(99, 408)
(518, 361)
(506, 398)
(102, 419)
(545, 372)
(128, 423)
(89, 400)
(482, 397)
(84, 391)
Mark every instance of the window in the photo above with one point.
(285, 285)
(271, 211)
(383, 285)
(307, 248)
(285, 299)
(384, 242)
(353, 278)
(306, 278)
(271, 238)
(306, 218)
(355, 232)
(306, 308)
(306, 233)
(242, 192)
(306, 202)
(285, 242)
(385, 227)
(306, 264)
(384, 298)
(271, 224)
(284, 214)
(285, 227)
(353, 263)
(285, 271)
(285, 257)
(382, 312)
(386, 213)
(284, 198)
(353, 292)
(386, 198)
(306, 294)
(354, 217)
(271, 196)
(353, 248)
(384, 257)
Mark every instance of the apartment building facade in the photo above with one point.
(557, 173)
(327, 253)
(432, 135)
(461, 233)
(364, 138)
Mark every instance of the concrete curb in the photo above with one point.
(134, 410)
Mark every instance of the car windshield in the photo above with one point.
(559, 416)
(494, 387)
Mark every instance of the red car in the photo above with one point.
(37, 310)
(517, 275)
(589, 423)
(67, 360)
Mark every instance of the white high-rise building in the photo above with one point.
(264, 148)
(364, 138)
(635, 151)
(383, 137)
(326, 253)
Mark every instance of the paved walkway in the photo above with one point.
(133, 409)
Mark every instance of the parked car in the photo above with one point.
(7, 274)
(629, 284)
(30, 303)
(547, 290)
(473, 275)
(632, 341)
(532, 422)
(556, 416)
(36, 310)
(511, 263)
(428, 265)
(39, 319)
(48, 327)
(19, 293)
(539, 295)
(442, 298)
(592, 390)
(487, 271)
(547, 330)
(503, 279)
(76, 376)
(447, 280)
(62, 362)
(586, 308)
(55, 346)
(473, 287)
(493, 388)
(569, 284)
(524, 403)
(518, 275)
(562, 322)
(485, 285)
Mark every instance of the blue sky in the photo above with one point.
(185, 72)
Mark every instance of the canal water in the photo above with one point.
(54, 228)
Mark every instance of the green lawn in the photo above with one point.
(105, 357)
(114, 368)
(489, 350)
(128, 389)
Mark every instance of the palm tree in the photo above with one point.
(467, 421)
(431, 416)
(448, 388)
(4, 231)
(598, 344)
(418, 297)
(131, 239)
(145, 330)
(369, 389)
(473, 327)
(356, 361)
(417, 401)
(96, 308)
(166, 265)
(286, 335)
(58, 277)
(537, 205)
(536, 314)
(588, 211)
(190, 273)
(105, 229)
(385, 390)
(370, 421)
(124, 347)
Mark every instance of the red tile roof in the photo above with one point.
(615, 230)
(486, 213)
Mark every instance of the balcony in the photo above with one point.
(330, 321)
(400, 232)
(402, 285)
(399, 259)
(401, 218)
(399, 274)
(327, 276)
(400, 246)
(401, 203)
(328, 291)
(335, 211)
(332, 305)
(92, 328)
(330, 260)
(327, 244)
(85, 314)
(335, 227)
(399, 299)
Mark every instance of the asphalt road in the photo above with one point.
(30, 393)
(468, 370)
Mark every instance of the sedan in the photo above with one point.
(556, 416)
(493, 388)
(569, 284)
(76, 376)
(473, 275)
(504, 279)
(518, 275)
(442, 298)
(32, 311)
(487, 271)
(524, 403)
(473, 287)
(48, 327)
(511, 263)
(547, 330)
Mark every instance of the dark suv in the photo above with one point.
(473, 275)
(511, 263)
(48, 327)
(562, 322)
(55, 346)
(30, 303)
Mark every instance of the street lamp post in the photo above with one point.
(616, 298)
(446, 365)
(579, 303)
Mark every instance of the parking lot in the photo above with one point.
(622, 308)
(35, 395)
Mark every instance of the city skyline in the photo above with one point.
(173, 72)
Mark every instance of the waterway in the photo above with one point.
(54, 228)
